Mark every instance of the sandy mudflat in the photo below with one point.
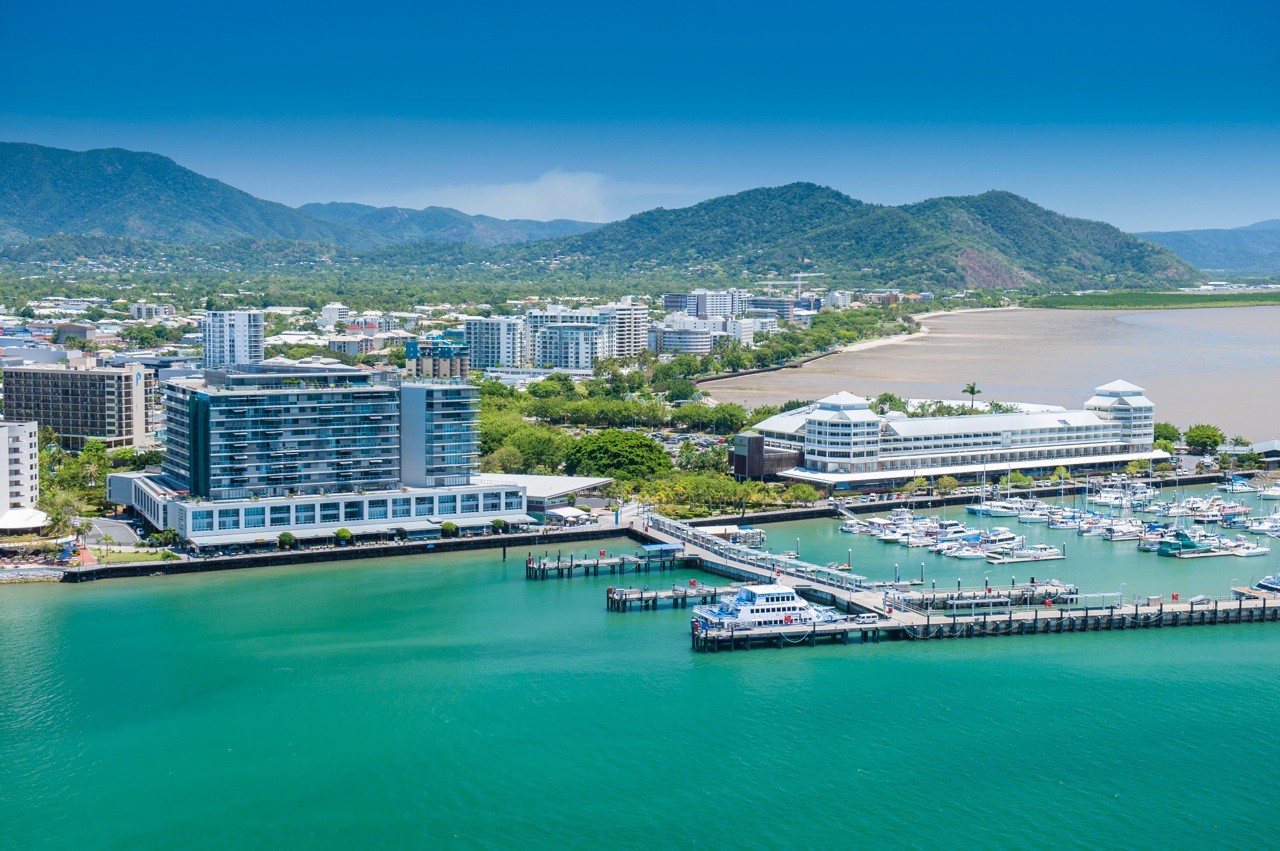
(1220, 366)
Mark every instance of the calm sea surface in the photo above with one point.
(445, 701)
(1220, 366)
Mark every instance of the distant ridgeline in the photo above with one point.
(113, 217)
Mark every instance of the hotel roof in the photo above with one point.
(981, 423)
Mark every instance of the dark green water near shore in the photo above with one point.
(447, 702)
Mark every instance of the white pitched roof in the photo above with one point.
(1119, 401)
(1120, 386)
(843, 399)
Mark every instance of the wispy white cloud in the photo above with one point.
(557, 194)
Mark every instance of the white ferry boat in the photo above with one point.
(764, 605)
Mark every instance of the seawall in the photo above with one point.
(522, 542)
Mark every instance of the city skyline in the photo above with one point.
(1149, 122)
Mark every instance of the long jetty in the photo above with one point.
(1029, 610)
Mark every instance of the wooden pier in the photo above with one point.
(842, 632)
(623, 599)
(917, 626)
(557, 567)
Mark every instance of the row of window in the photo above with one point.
(353, 511)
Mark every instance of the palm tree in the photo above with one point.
(971, 390)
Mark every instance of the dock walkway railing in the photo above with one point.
(766, 562)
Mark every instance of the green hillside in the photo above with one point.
(113, 192)
(996, 239)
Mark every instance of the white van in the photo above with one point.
(867, 617)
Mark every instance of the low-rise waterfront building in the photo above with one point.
(842, 440)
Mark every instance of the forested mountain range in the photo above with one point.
(114, 192)
(120, 213)
(1249, 250)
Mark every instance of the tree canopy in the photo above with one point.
(1204, 438)
(620, 454)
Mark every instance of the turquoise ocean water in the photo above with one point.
(445, 701)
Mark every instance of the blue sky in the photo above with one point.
(1150, 116)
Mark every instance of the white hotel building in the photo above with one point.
(843, 442)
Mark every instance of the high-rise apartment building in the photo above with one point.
(440, 443)
(18, 465)
(437, 359)
(83, 401)
(497, 341)
(625, 324)
(257, 452)
(258, 431)
(630, 321)
(572, 346)
(233, 337)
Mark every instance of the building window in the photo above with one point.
(471, 503)
(424, 505)
(448, 505)
(513, 501)
(202, 521)
(329, 512)
(255, 518)
(377, 509)
(400, 507)
(228, 518)
(305, 515)
(493, 501)
(353, 511)
(279, 515)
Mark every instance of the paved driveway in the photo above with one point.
(120, 531)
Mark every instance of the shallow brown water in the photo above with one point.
(1220, 366)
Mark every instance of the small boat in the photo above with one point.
(966, 552)
(1272, 492)
(1268, 583)
(1245, 548)
(1182, 545)
(853, 527)
(1122, 531)
(1037, 552)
